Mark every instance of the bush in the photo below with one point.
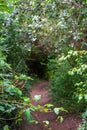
(83, 126)
(69, 79)
(12, 101)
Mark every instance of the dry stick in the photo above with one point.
(14, 118)
(15, 102)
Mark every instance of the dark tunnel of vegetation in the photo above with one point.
(38, 65)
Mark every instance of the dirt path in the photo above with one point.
(40, 89)
(70, 122)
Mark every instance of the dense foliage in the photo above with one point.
(51, 34)
(12, 69)
(11, 96)
(84, 121)
(68, 71)
(69, 79)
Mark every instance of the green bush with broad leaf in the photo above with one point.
(12, 101)
(69, 79)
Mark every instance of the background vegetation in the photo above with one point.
(51, 34)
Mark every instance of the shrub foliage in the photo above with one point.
(55, 32)
(69, 79)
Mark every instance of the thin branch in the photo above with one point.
(14, 118)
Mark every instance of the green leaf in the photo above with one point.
(37, 97)
(27, 114)
(26, 99)
(12, 90)
(2, 108)
(46, 122)
(62, 109)
(56, 111)
(60, 118)
(48, 105)
(19, 92)
(6, 127)
(22, 76)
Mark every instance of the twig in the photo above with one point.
(14, 118)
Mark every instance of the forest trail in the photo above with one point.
(69, 123)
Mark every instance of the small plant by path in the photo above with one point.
(48, 120)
